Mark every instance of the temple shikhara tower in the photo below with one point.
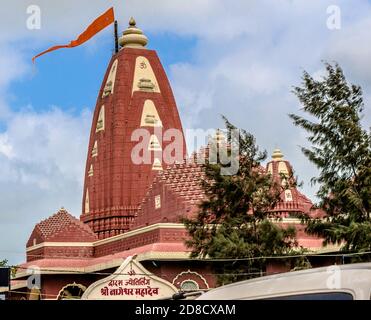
(133, 198)
(135, 94)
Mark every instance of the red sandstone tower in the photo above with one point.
(135, 94)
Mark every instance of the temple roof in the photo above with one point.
(61, 226)
(292, 200)
(184, 180)
(178, 191)
(175, 192)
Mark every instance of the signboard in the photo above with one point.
(131, 281)
(4, 277)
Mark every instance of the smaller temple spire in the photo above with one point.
(277, 155)
(133, 37)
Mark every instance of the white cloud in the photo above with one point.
(352, 49)
(248, 75)
(42, 169)
(12, 67)
(5, 148)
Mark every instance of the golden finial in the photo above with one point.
(277, 154)
(132, 22)
(133, 37)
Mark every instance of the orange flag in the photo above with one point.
(98, 25)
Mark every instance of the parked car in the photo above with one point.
(345, 282)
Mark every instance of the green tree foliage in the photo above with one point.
(235, 222)
(340, 148)
(4, 263)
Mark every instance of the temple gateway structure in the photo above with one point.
(130, 209)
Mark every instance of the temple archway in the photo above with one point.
(190, 281)
(71, 291)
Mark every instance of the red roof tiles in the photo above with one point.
(61, 227)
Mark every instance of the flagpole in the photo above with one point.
(116, 38)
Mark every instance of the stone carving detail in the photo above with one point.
(94, 152)
(91, 171)
(288, 195)
(146, 85)
(157, 164)
(185, 277)
(109, 86)
(150, 117)
(144, 77)
(107, 89)
(154, 144)
(87, 202)
(158, 202)
(100, 122)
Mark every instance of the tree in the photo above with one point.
(3, 263)
(340, 148)
(234, 222)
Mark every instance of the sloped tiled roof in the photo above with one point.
(62, 221)
(184, 179)
(181, 192)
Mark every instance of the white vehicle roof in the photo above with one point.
(354, 279)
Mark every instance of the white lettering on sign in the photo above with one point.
(120, 287)
(131, 281)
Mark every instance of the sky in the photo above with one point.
(235, 58)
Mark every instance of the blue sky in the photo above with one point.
(66, 77)
(237, 58)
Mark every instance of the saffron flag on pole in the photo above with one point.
(98, 25)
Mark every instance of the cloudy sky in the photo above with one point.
(238, 58)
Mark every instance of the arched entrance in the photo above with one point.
(190, 281)
(71, 291)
